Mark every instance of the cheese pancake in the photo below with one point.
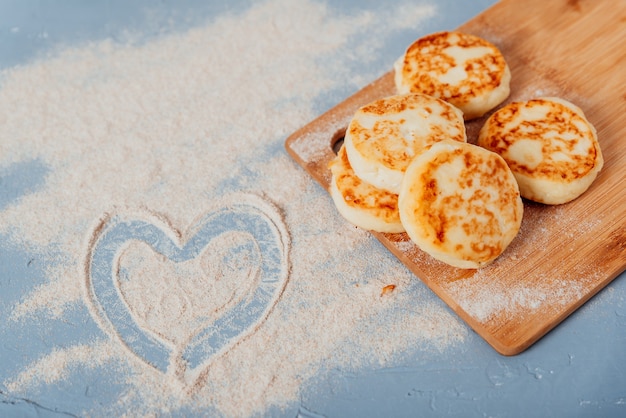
(384, 136)
(360, 203)
(461, 204)
(465, 70)
(549, 144)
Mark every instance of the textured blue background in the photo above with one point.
(578, 370)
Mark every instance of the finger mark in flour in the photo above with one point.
(176, 301)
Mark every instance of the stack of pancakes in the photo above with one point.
(406, 166)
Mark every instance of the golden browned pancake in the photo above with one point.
(460, 203)
(360, 203)
(463, 69)
(550, 146)
(384, 136)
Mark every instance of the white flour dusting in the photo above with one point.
(172, 128)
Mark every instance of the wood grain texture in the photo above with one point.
(563, 254)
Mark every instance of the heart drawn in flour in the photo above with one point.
(176, 301)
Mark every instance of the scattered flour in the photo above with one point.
(172, 127)
(484, 299)
(55, 366)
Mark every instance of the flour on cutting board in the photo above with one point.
(484, 298)
(173, 129)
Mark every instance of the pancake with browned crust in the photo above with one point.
(360, 203)
(551, 147)
(461, 204)
(465, 70)
(384, 136)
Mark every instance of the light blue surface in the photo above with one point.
(578, 370)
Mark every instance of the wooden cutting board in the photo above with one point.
(563, 254)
